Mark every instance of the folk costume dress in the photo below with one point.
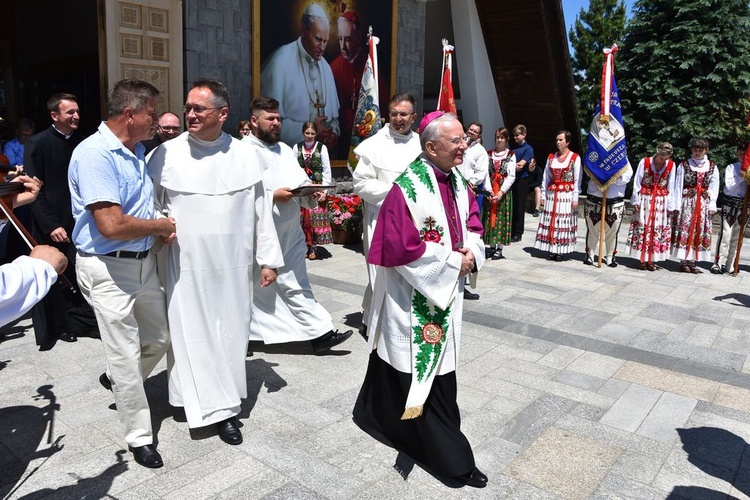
(558, 225)
(226, 234)
(408, 397)
(497, 217)
(650, 233)
(316, 222)
(286, 310)
(699, 185)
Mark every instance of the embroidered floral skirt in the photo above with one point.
(497, 220)
(650, 233)
(316, 224)
(691, 239)
(558, 224)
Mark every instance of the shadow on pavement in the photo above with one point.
(718, 453)
(22, 431)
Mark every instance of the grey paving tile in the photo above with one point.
(669, 413)
(579, 380)
(629, 411)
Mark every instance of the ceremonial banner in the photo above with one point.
(367, 118)
(746, 158)
(446, 102)
(606, 156)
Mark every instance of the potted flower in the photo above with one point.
(346, 218)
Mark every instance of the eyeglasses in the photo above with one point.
(170, 129)
(402, 114)
(456, 141)
(187, 108)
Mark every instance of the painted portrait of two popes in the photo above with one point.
(310, 54)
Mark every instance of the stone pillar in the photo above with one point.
(410, 43)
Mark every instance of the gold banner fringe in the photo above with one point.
(412, 412)
(609, 182)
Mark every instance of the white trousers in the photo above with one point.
(130, 308)
(726, 244)
(613, 220)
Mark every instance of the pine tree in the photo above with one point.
(601, 26)
(684, 71)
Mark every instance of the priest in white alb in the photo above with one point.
(287, 310)
(227, 241)
(428, 238)
(297, 75)
(381, 159)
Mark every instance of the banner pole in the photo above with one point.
(601, 231)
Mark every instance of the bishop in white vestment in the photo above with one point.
(428, 238)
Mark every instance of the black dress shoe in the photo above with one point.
(104, 380)
(497, 254)
(66, 337)
(475, 479)
(515, 239)
(229, 432)
(330, 339)
(470, 296)
(147, 456)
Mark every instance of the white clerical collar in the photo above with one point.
(67, 136)
(303, 52)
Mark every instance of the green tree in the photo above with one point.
(684, 71)
(602, 25)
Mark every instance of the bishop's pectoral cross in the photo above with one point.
(319, 105)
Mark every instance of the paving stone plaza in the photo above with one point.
(574, 382)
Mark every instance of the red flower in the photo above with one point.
(432, 235)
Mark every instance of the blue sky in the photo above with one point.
(571, 8)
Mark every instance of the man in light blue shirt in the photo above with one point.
(115, 226)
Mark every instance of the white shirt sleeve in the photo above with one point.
(23, 283)
(635, 200)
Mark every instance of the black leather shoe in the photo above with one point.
(147, 456)
(588, 260)
(470, 296)
(475, 479)
(104, 380)
(229, 432)
(612, 263)
(66, 337)
(330, 339)
(515, 239)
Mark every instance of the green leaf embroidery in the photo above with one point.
(407, 185)
(420, 170)
(429, 354)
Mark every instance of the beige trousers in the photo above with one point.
(130, 308)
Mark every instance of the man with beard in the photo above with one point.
(61, 315)
(428, 238)
(382, 158)
(286, 311)
(213, 182)
(297, 75)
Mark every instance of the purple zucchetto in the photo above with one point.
(428, 118)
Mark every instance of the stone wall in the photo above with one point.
(217, 46)
(218, 43)
(410, 49)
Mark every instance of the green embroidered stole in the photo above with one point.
(429, 323)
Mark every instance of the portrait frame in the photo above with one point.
(276, 23)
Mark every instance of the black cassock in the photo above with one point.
(47, 156)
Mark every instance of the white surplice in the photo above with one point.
(286, 311)
(225, 232)
(382, 158)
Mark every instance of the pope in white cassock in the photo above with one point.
(227, 241)
(382, 158)
(302, 81)
(428, 238)
(286, 311)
